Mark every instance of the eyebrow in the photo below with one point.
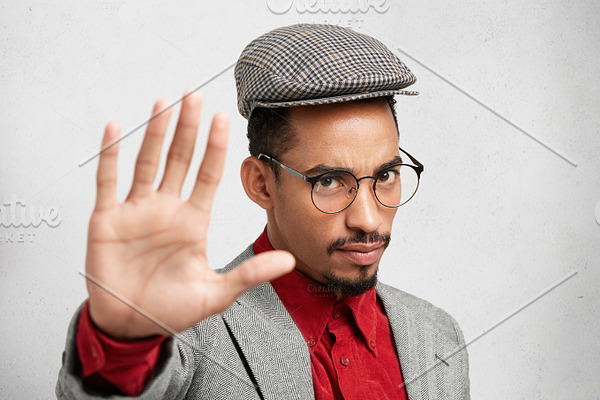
(393, 161)
(323, 168)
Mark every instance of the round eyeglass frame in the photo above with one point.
(418, 168)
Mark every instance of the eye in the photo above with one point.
(388, 176)
(329, 182)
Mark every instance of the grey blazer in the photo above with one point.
(254, 350)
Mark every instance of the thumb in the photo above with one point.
(261, 268)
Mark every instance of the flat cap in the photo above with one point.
(316, 64)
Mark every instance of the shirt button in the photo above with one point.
(372, 343)
(311, 342)
(336, 314)
(344, 361)
(94, 353)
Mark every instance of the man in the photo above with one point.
(306, 320)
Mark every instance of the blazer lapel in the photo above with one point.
(271, 343)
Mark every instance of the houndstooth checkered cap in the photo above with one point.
(316, 64)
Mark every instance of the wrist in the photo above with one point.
(123, 325)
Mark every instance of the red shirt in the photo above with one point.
(352, 349)
(107, 363)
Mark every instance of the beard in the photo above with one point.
(350, 287)
(353, 287)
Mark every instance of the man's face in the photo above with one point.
(341, 250)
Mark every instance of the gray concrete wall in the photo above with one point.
(506, 125)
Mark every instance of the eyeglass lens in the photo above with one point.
(336, 190)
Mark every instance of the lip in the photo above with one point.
(361, 254)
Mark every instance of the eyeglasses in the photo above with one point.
(333, 191)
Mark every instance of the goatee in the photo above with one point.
(349, 287)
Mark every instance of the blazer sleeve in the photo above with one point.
(172, 377)
(464, 374)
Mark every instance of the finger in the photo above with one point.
(262, 268)
(148, 159)
(213, 163)
(106, 176)
(182, 148)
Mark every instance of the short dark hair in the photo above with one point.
(271, 132)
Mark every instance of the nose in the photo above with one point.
(365, 211)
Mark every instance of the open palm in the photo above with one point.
(150, 251)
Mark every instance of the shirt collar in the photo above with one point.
(311, 304)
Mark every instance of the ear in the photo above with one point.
(258, 181)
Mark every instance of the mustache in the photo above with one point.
(360, 237)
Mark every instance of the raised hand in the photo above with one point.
(151, 249)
